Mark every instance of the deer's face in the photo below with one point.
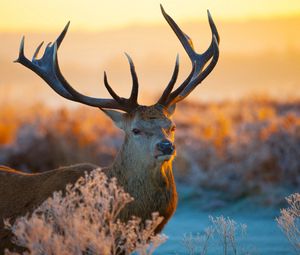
(150, 133)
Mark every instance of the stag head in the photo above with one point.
(149, 129)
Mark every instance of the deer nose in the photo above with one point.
(166, 147)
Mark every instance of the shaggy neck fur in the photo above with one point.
(153, 187)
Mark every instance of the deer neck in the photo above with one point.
(151, 185)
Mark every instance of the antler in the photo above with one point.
(197, 74)
(48, 69)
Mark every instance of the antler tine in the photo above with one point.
(62, 35)
(110, 90)
(183, 38)
(135, 84)
(214, 33)
(213, 27)
(37, 51)
(21, 56)
(175, 93)
(163, 99)
(198, 60)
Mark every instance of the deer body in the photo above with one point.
(149, 182)
(143, 166)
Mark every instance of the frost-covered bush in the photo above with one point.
(84, 220)
(228, 231)
(240, 149)
(224, 232)
(289, 221)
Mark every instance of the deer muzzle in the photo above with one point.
(165, 147)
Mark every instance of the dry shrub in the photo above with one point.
(239, 149)
(236, 149)
(85, 221)
(289, 221)
(224, 231)
(227, 231)
(199, 243)
(46, 139)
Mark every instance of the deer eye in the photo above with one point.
(136, 131)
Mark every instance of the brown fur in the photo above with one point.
(149, 181)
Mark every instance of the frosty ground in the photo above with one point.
(263, 234)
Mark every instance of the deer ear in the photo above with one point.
(117, 117)
(171, 109)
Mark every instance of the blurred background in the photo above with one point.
(238, 133)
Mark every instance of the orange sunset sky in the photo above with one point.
(102, 15)
(259, 49)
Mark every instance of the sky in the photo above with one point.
(97, 15)
(259, 49)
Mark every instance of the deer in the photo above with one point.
(143, 165)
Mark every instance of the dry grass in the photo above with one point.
(236, 149)
(224, 234)
(240, 149)
(85, 221)
(289, 221)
